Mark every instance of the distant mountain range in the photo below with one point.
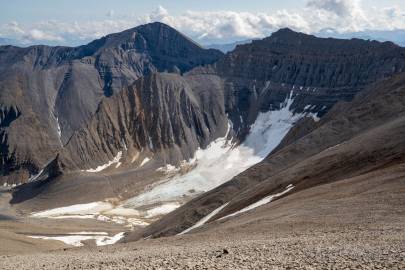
(396, 36)
(227, 47)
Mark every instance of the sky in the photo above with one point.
(74, 22)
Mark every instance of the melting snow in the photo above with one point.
(205, 219)
(221, 161)
(162, 210)
(261, 202)
(77, 209)
(106, 212)
(168, 169)
(101, 239)
(116, 159)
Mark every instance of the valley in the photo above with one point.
(144, 150)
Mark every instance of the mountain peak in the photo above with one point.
(287, 33)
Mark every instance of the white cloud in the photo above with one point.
(339, 7)
(36, 34)
(342, 16)
(159, 14)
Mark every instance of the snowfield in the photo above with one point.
(221, 161)
(107, 212)
(101, 239)
(77, 210)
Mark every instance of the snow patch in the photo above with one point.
(101, 211)
(162, 210)
(116, 159)
(168, 169)
(144, 161)
(205, 219)
(261, 202)
(76, 240)
(35, 177)
(77, 209)
(150, 143)
(59, 130)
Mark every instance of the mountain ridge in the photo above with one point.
(58, 89)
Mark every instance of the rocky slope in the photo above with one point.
(47, 93)
(365, 135)
(255, 78)
(162, 116)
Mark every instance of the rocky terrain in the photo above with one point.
(353, 138)
(285, 153)
(347, 224)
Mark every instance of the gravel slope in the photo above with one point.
(355, 223)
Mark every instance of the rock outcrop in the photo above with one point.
(162, 116)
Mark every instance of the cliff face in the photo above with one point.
(361, 138)
(162, 116)
(320, 72)
(58, 89)
(169, 113)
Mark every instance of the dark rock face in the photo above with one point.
(320, 72)
(162, 115)
(58, 89)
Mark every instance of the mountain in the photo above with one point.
(162, 116)
(289, 138)
(356, 149)
(167, 138)
(253, 79)
(396, 36)
(48, 93)
(317, 76)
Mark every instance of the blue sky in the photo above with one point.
(78, 21)
(31, 11)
